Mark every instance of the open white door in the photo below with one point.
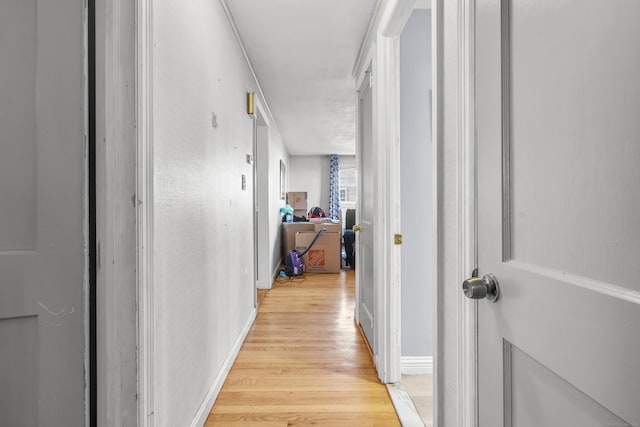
(263, 274)
(42, 213)
(364, 239)
(558, 143)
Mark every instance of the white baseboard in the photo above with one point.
(214, 390)
(276, 270)
(416, 365)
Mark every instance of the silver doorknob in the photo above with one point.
(485, 287)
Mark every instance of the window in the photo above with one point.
(348, 185)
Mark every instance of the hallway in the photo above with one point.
(304, 362)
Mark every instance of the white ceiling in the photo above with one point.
(303, 53)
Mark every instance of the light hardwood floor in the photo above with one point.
(305, 363)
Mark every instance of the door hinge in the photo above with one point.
(397, 239)
(370, 80)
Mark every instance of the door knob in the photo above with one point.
(485, 287)
(357, 228)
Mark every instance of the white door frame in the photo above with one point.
(387, 136)
(144, 191)
(467, 217)
(453, 168)
(455, 193)
(117, 180)
(384, 55)
(386, 262)
(261, 176)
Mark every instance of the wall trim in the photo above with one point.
(437, 138)
(421, 365)
(275, 272)
(205, 407)
(395, 17)
(363, 58)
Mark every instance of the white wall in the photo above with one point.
(416, 183)
(203, 284)
(310, 174)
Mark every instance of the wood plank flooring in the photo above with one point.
(305, 363)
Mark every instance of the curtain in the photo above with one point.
(334, 187)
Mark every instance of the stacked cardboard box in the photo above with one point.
(289, 231)
(298, 201)
(330, 226)
(324, 256)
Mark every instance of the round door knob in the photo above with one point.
(479, 288)
(357, 228)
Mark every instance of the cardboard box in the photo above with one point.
(300, 212)
(324, 256)
(298, 201)
(331, 227)
(289, 230)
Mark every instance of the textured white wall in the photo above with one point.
(203, 281)
(416, 182)
(311, 174)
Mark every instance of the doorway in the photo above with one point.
(417, 212)
(262, 272)
(404, 257)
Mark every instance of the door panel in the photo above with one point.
(365, 236)
(17, 121)
(42, 213)
(540, 397)
(558, 141)
(573, 125)
(19, 368)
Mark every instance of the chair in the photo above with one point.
(349, 219)
(349, 237)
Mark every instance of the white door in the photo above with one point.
(263, 276)
(42, 213)
(364, 239)
(558, 140)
